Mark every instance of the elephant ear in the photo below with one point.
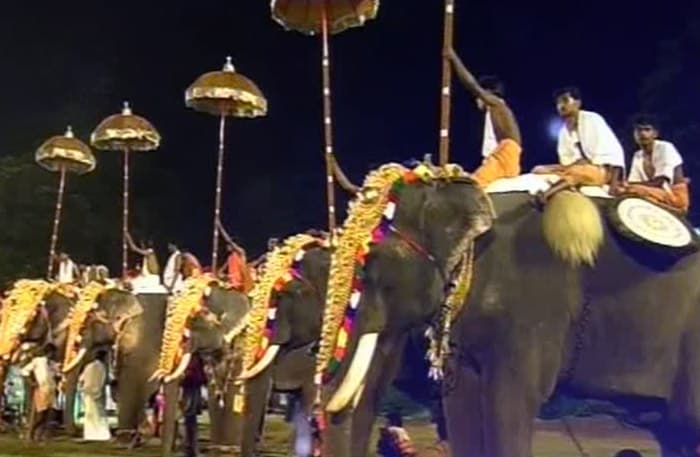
(235, 318)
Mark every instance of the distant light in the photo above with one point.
(553, 126)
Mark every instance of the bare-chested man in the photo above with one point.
(501, 145)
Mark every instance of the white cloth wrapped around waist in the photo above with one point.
(534, 183)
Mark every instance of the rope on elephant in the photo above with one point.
(278, 271)
(19, 309)
(181, 307)
(77, 316)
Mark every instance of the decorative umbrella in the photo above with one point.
(125, 132)
(224, 93)
(63, 154)
(445, 101)
(325, 17)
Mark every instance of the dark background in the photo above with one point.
(75, 62)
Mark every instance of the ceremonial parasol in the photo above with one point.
(63, 154)
(224, 93)
(125, 132)
(446, 83)
(325, 17)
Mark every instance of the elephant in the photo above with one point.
(132, 325)
(212, 334)
(559, 302)
(49, 325)
(288, 365)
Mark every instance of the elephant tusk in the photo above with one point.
(76, 360)
(158, 374)
(263, 363)
(180, 368)
(355, 376)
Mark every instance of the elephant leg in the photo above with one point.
(169, 428)
(349, 431)
(70, 387)
(510, 403)
(257, 394)
(461, 402)
(678, 434)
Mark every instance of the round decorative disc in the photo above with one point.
(653, 223)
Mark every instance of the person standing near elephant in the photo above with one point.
(172, 276)
(589, 152)
(501, 146)
(93, 380)
(41, 373)
(192, 384)
(656, 172)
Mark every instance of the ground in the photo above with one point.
(599, 437)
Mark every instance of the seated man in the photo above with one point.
(501, 145)
(589, 152)
(657, 168)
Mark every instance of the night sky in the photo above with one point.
(75, 62)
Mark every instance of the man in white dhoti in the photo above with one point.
(93, 380)
(589, 152)
(68, 272)
(172, 276)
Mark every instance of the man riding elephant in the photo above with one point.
(504, 340)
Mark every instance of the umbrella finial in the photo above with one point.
(69, 132)
(228, 66)
(126, 110)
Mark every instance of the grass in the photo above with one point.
(599, 437)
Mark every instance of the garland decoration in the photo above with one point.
(87, 301)
(181, 307)
(19, 309)
(281, 267)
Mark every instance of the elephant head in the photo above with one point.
(203, 321)
(132, 326)
(407, 235)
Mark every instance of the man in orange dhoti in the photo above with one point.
(589, 152)
(656, 173)
(501, 147)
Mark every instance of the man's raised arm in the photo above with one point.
(470, 81)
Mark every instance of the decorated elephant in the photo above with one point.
(34, 313)
(284, 326)
(203, 321)
(523, 304)
(132, 325)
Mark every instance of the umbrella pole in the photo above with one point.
(125, 215)
(446, 83)
(327, 120)
(56, 222)
(217, 201)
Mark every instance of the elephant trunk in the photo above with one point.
(70, 385)
(354, 379)
(169, 429)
